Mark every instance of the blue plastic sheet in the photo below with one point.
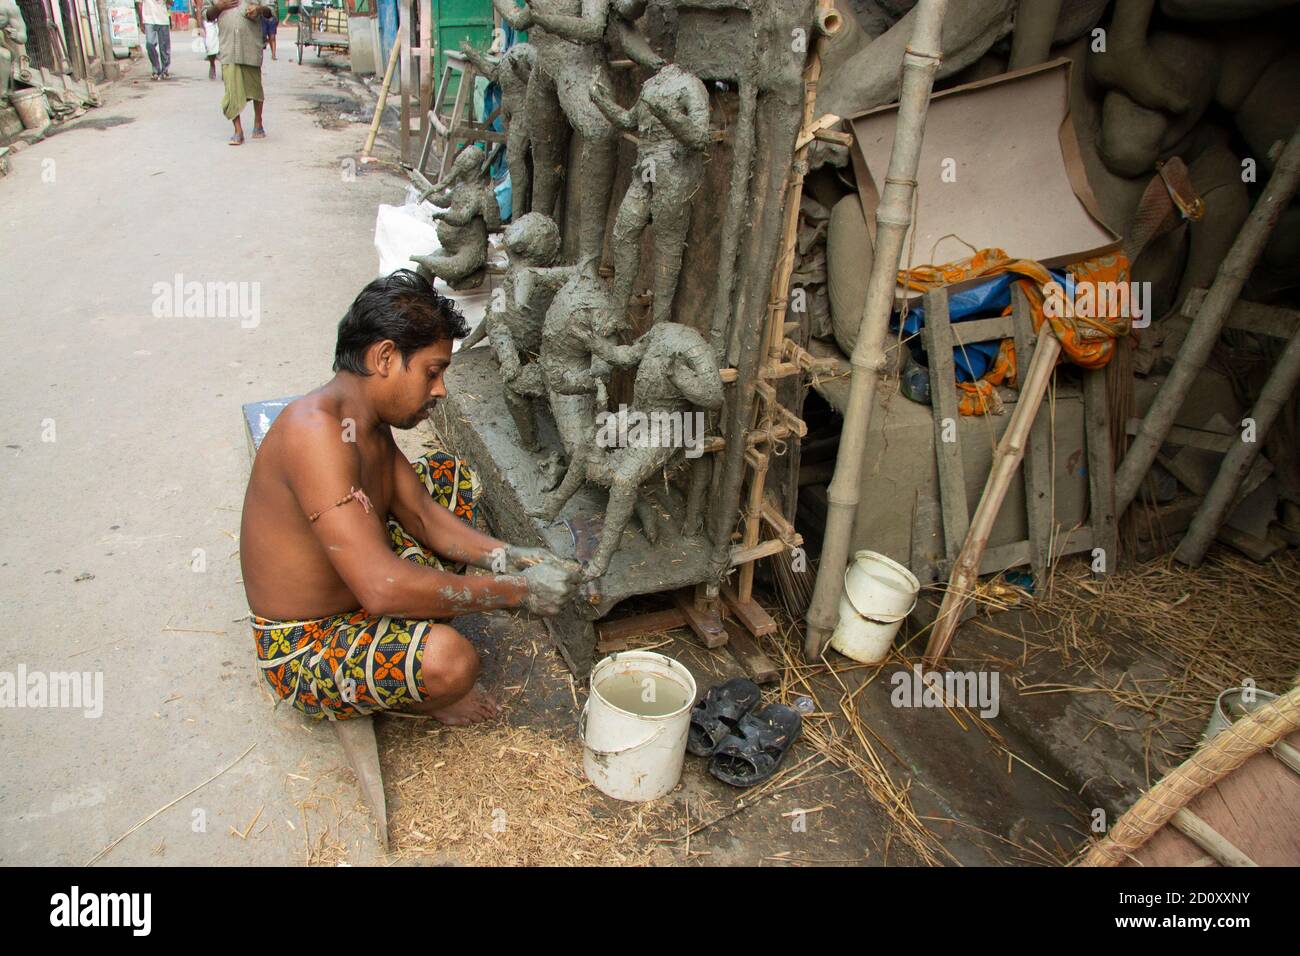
(981, 301)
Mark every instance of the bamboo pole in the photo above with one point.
(1223, 850)
(1236, 267)
(893, 218)
(1241, 456)
(1010, 452)
(383, 100)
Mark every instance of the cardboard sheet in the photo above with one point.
(1018, 181)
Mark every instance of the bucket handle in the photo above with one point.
(876, 620)
(582, 735)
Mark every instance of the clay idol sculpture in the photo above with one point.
(13, 50)
(518, 312)
(677, 374)
(568, 37)
(468, 211)
(671, 117)
(511, 73)
(580, 348)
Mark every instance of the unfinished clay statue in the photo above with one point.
(677, 373)
(511, 72)
(671, 117)
(579, 350)
(568, 35)
(517, 314)
(468, 210)
(13, 46)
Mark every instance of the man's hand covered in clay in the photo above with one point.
(551, 584)
(519, 557)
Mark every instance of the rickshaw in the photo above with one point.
(321, 25)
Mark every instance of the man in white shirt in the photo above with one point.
(157, 37)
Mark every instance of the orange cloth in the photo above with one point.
(1085, 326)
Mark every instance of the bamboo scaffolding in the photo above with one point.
(767, 411)
(1241, 456)
(893, 219)
(1218, 302)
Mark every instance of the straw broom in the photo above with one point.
(893, 219)
(1224, 754)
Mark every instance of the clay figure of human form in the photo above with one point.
(677, 373)
(580, 348)
(13, 44)
(671, 117)
(568, 36)
(517, 314)
(511, 72)
(468, 210)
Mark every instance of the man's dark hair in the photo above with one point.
(403, 307)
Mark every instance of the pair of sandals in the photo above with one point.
(746, 745)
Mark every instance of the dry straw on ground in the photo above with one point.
(1209, 628)
(512, 796)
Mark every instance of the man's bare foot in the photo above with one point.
(474, 707)
(259, 133)
(236, 140)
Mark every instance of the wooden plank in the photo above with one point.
(756, 620)
(406, 79)
(1037, 462)
(761, 668)
(611, 633)
(983, 330)
(927, 540)
(1272, 320)
(937, 338)
(706, 625)
(1195, 437)
(426, 65)
(1101, 467)
(358, 738)
(1257, 549)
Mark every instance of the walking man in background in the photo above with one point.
(240, 28)
(157, 37)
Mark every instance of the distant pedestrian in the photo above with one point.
(157, 37)
(209, 39)
(241, 60)
(269, 27)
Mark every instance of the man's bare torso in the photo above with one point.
(287, 575)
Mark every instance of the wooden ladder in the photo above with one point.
(445, 133)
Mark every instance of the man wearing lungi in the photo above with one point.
(241, 60)
(353, 556)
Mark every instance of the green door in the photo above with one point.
(454, 21)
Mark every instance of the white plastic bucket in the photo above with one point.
(878, 594)
(29, 104)
(635, 751)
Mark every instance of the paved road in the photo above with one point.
(124, 461)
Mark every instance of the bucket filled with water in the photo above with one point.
(634, 725)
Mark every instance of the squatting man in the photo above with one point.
(354, 557)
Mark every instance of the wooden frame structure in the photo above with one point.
(940, 337)
(447, 133)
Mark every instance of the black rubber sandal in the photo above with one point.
(754, 751)
(716, 715)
